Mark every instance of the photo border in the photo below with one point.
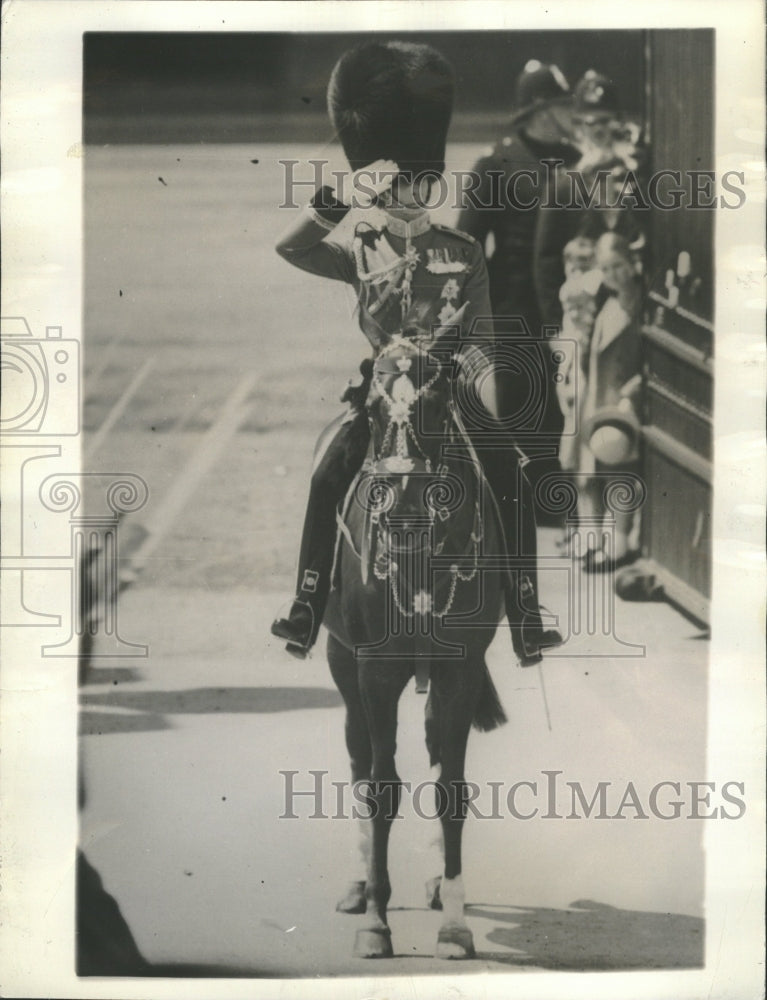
(42, 281)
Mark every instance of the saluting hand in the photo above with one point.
(369, 182)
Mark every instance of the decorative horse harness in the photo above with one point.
(377, 497)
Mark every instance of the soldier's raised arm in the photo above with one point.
(306, 242)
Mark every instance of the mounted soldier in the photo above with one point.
(390, 104)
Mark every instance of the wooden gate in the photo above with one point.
(678, 334)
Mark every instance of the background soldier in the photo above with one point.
(513, 180)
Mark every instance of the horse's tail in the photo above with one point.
(489, 713)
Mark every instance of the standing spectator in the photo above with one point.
(610, 425)
(592, 198)
(513, 177)
(582, 295)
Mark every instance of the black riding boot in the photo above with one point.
(331, 479)
(514, 495)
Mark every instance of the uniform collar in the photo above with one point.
(408, 228)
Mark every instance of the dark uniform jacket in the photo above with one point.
(515, 174)
(410, 277)
(511, 221)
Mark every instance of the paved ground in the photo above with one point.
(182, 757)
(182, 751)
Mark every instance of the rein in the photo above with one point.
(381, 541)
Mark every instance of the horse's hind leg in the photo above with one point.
(457, 689)
(381, 684)
(435, 851)
(343, 668)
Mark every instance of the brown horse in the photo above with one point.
(412, 597)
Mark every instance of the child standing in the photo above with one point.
(578, 296)
(609, 424)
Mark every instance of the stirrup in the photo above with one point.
(299, 652)
(298, 629)
(281, 628)
(539, 638)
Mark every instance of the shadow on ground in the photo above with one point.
(103, 723)
(147, 709)
(196, 701)
(110, 675)
(587, 936)
(592, 936)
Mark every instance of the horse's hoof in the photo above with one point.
(455, 942)
(374, 943)
(433, 899)
(354, 901)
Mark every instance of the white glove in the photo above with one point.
(367, 183)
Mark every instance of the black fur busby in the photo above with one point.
(392, 101)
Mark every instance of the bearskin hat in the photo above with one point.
(393, 101)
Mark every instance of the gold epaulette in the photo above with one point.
(454, 232)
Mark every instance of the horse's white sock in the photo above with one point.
(435, 852)
(363, 834)
(453, 898)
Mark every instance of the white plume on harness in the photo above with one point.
(400, 402)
